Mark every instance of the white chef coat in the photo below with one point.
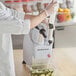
(10, 23)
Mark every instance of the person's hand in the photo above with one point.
(50, 8)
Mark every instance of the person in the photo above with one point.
(13, 22)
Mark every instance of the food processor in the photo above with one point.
(39, 43)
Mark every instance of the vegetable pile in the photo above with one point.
(42, 72)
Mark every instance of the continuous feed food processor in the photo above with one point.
(38, 44)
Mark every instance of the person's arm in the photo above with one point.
(14, 26)
(36, 20)
(12, 21)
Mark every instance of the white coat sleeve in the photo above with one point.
(13, 22)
